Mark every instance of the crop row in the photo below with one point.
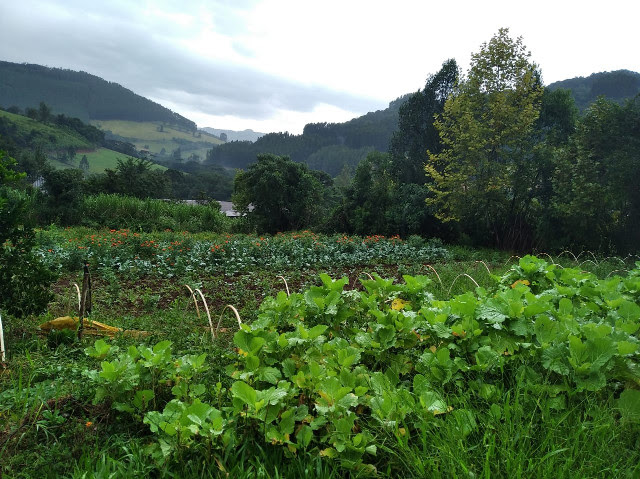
(171, 254)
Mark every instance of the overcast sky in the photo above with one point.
(276, 65)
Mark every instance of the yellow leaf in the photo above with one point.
(438, 413)
(399, 304)
(521, 281)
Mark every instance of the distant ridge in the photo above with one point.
(616, 85)
(80, 95)
(232, 135)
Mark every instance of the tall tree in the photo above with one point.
(597, 198)
(416, 131)
(482, 177)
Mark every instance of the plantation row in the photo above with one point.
(360, 376)
(175, 254)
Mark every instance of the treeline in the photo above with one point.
(80, 95)
(616, 86)
(490, 159)
(62, 194)
(325, 146)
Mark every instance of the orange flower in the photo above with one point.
(88, 424)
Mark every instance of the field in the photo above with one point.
(349, 357)
(146, 135)
(47, 137)
(99, 160)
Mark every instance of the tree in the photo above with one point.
(25, 280)
(416, 131)
(44, 112)
(483, 176)
(596, 194)
(223, 136)
(278, 194)
(65, 190)
(370, 196)
(84, 163)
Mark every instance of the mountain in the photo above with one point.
(124, 116)
(80, 95)
(245, 135)
(617, 86)
(329, 147)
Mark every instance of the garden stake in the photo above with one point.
(509, 259)
(587, 261)
(456, 278)
(547, 255)
(2, 357)
(617, 271)
(285, 284)
(78, 291)
(206, 308)
(235, 311)
(485, 265)
(358, 276)
(437, 275)
(614, 257)
(567, 251)
(85, 303)
(195, 300)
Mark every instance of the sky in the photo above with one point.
(276, 65)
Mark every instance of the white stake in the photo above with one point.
(2, 357)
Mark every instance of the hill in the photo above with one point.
(617, 86)
(162, 140)
(329, 147)
(28, 133)
(80, 95)
(63, 146)
(245, 135)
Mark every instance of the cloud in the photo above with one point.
(152, 52)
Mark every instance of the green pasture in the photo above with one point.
(45, 136)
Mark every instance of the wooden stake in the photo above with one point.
(85, 301)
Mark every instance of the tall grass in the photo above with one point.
(115, 211)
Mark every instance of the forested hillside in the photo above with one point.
(617, 86)
(79, 94)
(325, 146)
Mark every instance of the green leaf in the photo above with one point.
(546, 330)
(629, 405)
(626, 347)
(244, 392)
(317, 331)
(493, 311)
(289, 367)
(304, 436)
(268, 374)
(554, 358)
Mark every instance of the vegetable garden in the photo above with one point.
(375, 357)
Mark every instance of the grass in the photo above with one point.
(47, 137)
(114, 211)
(103, 158)
(147, 134)
(99, 160)
(46, 402)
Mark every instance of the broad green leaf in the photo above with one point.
(304, 436)
(629, 405)
(554, 358)
(626, 347)
(244, 392)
